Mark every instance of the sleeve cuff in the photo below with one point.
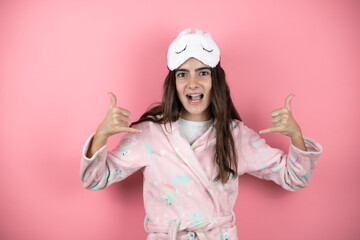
(86, 148)
(312, 146)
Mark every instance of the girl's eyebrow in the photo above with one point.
(196, 70)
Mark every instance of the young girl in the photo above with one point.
(193, 146)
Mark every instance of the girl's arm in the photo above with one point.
(293, 170)
(298, 141)
(97, 142)
(104, 167)
(99, 168)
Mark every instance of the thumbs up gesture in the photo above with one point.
(283, 121)
(116, 120)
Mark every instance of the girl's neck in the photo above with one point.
(205, 116)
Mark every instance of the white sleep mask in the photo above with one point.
(199, 45)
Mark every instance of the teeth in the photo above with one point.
(195, 95)
(191, 96)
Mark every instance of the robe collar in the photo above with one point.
(185, 151)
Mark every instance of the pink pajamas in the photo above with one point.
(181, 200)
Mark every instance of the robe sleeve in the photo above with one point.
(107, 167)
(292, 171)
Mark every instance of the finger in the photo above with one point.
(276, 112)
(122, 117)
(129, 130)
(270, 130)
(276, 119)
(280, 112)
(281, 122)
(288, 101)
(121, 123)
(277, 124)
(112, 100)
(281, 117)
(123, 111)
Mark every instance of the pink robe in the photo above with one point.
(181, 200)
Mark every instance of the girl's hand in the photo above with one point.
(283, 121)
(116, 120)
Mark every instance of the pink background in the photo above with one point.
(58, 59)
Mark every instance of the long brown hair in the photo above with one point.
(222, 110)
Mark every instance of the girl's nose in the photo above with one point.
(193, 81)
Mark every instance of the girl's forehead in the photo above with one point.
(192, 63)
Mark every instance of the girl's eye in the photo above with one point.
(204, 73)
(181, 75)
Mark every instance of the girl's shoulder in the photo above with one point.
(144, 126)
(235, 123)
(239, 128)
(147, 126)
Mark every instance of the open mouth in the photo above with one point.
(195, 97)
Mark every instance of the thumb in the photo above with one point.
(112, 100)
(288, 101)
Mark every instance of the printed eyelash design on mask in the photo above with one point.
(181, 50)
(207, 50)
(186, 47)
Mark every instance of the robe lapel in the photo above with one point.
(185, 152)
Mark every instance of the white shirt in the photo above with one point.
(191, 130)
